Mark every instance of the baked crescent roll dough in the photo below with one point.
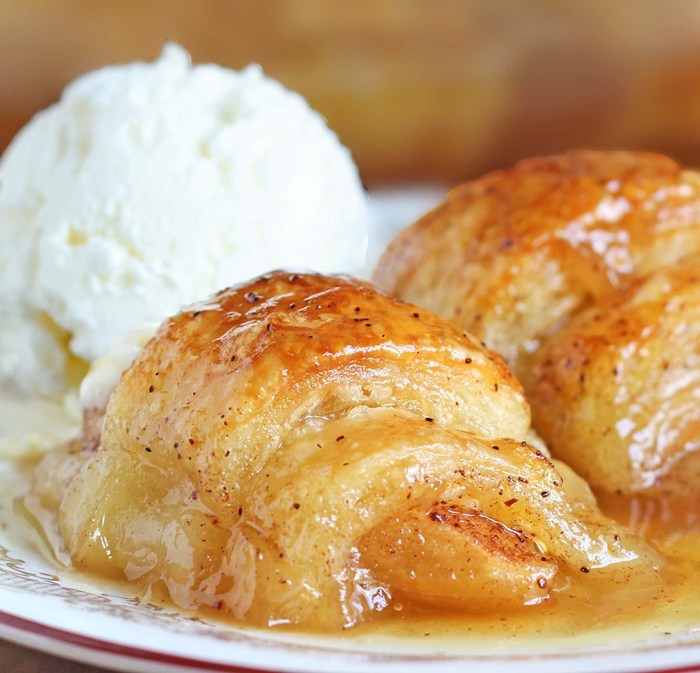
(582, 270)
(305, 449)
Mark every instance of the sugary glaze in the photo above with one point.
(304, 450)
(583, 270)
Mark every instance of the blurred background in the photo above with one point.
(420, 90)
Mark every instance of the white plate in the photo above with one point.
(69, 616)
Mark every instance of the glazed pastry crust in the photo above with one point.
(306, 450)
(576, 267)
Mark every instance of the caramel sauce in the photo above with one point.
(586, 613)
(590, 612)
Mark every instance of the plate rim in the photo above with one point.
(89, 649)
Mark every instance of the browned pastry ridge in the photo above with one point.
(583, 271)
(306, 450)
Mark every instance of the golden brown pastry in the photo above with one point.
(306, 450)
(582, 270)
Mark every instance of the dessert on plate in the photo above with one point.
(305, 450)
(583, 271)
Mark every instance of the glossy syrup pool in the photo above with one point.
(589, 614)
(594, 613)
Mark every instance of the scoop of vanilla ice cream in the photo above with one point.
(151, 185)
